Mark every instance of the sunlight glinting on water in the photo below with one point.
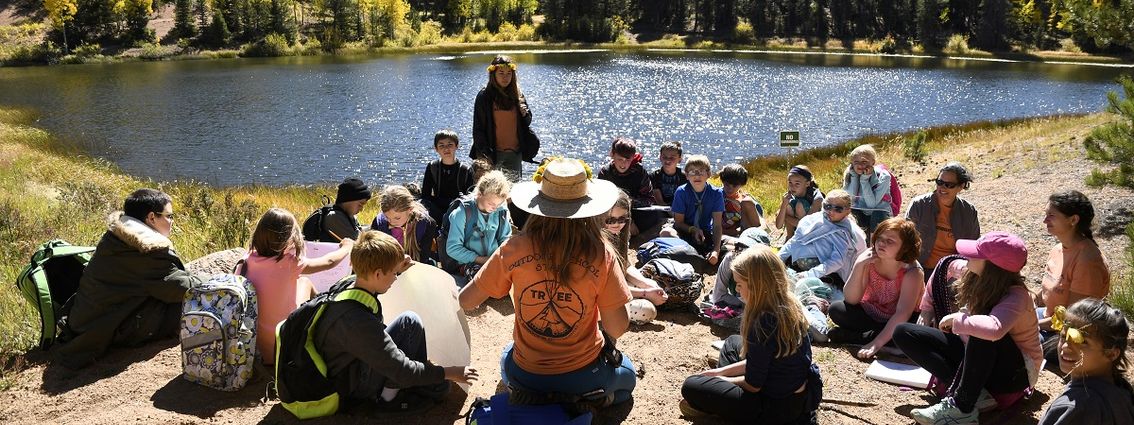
(306, 120)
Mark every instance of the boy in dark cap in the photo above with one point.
(342, 222)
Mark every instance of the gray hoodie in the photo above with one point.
(1091, 401)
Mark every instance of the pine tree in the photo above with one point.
(1114, 142)
(183, 26)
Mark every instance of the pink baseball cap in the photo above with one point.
(1003, 249)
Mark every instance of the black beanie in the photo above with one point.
(352, 189)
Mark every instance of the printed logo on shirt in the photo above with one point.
(549, 309)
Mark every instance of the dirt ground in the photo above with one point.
(1013, 181)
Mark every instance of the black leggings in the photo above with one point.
(719, 397)
(997, 366)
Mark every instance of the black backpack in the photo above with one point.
(50, 280)
(314, 229)
(447, 263)
(302, 383)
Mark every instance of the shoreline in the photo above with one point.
(663, 45)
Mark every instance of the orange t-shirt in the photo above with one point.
(1081, 268)
(944, 243)
(556, 326)
(507, 136)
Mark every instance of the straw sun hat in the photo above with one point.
(563, 188)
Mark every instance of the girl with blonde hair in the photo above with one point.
(408, 221)
(766, 374)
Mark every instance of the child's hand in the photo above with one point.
(346, 243)
(868, 351)
(713, 257)
(698, 234)
(461, 374)
(406, 264)
(946, 324)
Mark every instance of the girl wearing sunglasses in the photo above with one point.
(942, 216)
(826, 245)
(616, 228)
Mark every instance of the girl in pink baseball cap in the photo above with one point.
(995, 335)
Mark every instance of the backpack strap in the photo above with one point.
(435, 168)
(468, 206)
(361, 296)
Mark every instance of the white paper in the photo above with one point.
(899, 373)
(324, 279)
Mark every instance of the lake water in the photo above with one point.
(318, 119)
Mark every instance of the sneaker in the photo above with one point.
(688, 411)
(986, 402)
(945, 413)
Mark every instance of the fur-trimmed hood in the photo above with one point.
(136, 234)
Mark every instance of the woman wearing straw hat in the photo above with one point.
(563, 278)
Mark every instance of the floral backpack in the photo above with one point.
(218, 332)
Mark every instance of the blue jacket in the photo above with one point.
(483, 241)
(836, 245)
(871, 193)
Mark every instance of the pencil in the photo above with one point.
(340, 238)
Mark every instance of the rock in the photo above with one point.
(217, 262)
(1114, 222)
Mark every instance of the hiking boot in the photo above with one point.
(841, 335)
(945, 413)
(690, 412)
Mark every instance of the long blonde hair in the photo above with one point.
(769, 291)
(621, 241)
(559, 242)
(399, 198)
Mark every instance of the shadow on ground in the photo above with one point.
(59, 379)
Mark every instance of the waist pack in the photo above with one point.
(673, 249)
(679, 280)
(49, 280)
(497, 411)
(301, 373)
(218, 333)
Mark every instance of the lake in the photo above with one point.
(318, 119)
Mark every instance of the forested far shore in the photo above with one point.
(52, 31)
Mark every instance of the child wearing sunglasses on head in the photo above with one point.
(616, 228)
(1092, 350)
(826, 245)
(942, 216)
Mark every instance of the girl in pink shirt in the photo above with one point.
(989, 351)
(275, 261)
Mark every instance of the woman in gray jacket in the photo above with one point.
(942, 217)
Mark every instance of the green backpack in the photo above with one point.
(49, 281)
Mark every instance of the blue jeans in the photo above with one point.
(408, 334)
(619, 381)
(869, 220)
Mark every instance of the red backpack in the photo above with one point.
(895, 196)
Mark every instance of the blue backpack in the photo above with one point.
(497, 411)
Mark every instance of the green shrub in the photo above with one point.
(272, 45)
(1114, 142)
(744, 33)
(913, 148)
(1068, 45)
(506, 32)
(430, 33)
(957, 45)
(527, 32)
(153, 52)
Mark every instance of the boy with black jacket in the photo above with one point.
(368, 360)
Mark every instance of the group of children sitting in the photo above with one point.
(972, 323)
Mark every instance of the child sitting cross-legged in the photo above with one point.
(368, 360)
(765, 374)
(741, 210)
(698, 210)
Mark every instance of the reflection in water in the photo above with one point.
(318, 119)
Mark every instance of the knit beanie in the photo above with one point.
(352, 189)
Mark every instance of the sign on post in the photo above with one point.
(789, 139)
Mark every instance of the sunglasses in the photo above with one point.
(835, 208)
(697, 172)
(617, 220)
(947, 185)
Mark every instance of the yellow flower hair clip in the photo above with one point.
(590, 173)
(492, 68)
(1059, 323)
